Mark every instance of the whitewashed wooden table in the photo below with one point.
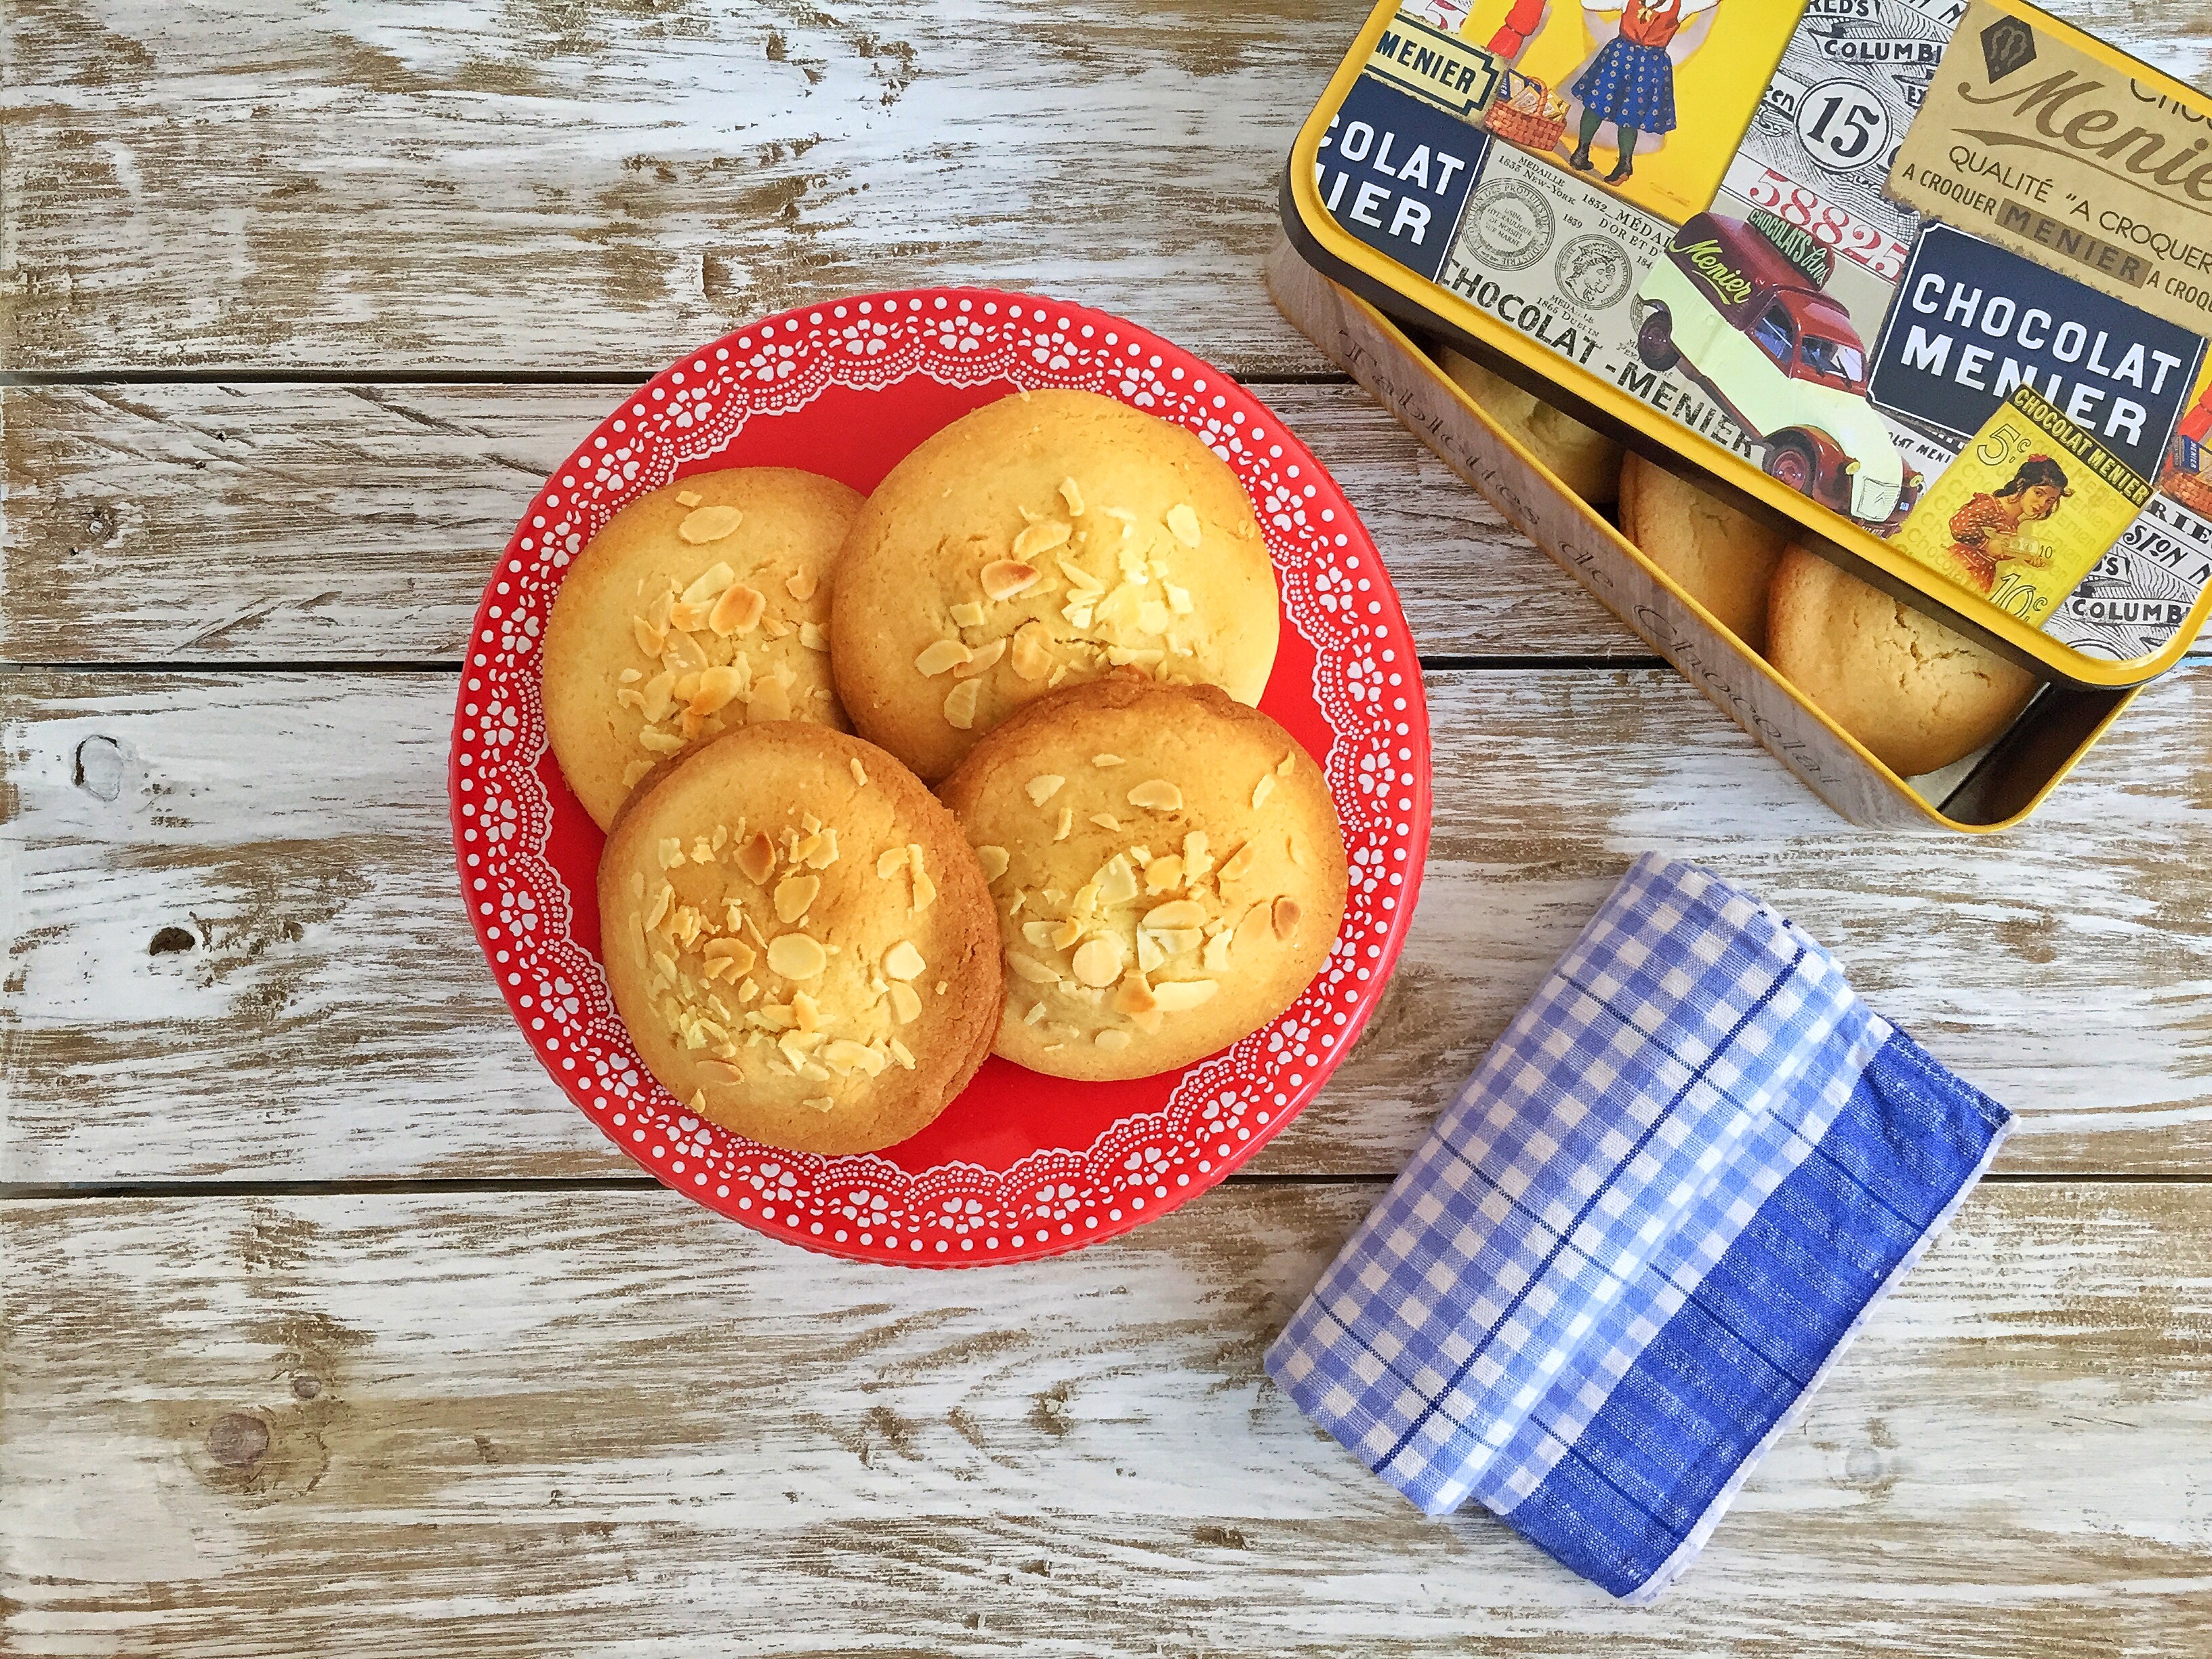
(331, 1329)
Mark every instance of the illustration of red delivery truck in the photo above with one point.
(1740, 308)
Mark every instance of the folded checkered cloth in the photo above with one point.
(1639, 1238)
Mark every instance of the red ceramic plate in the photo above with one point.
(1020, 1166)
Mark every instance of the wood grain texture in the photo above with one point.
(359, 523)
(320, 1011)
(607, 1422)
(608, 183)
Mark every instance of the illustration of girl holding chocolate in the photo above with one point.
(1631, 82)
(1988, 531)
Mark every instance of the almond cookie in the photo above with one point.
(799, 940)
(1916, 694)
(1720, 557)
(1042, 540)
(700, 607)
(1586, 462)
(1169, 871)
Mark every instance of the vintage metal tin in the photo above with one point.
(1991, 792)
(1929, 281)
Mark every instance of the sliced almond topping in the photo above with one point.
(822, 1104)
(650, 638)
(1081, 584)
(1239, 862)
(1113, 1041)
(1152, 616)
(734, 951)
(1039, 539)
(770, 700)
(859, 772)
(1106, 821)
(1183, 524)
(669, 852)
(1215, 960)
(1040, 934)
(663, 901)
(1289, 760)
(718, 689)
(756, 858)
(1158, 795)
(940, 655)
(1135, 997)
(925, 890)
(709, 582)
(900, 1051)
(1098, 962)
(1032, 657)
(813, 636)
(1042, 787)
(796, 956)
(1030, 968)
(848, 1057)
(1065, 934)
(960, 705)
(1163, 875)
(890, 864)
(1035, 1014)
(688, 618)
(804, 585)
(985, 659)
(1178, 599)
(794, 894)
(968, 614)
(1117, 882)
(660, 743)
(906, 1002)
(688, 498)
(824, 851)
(1197, 860)
(1178, 996)
(994, 860)
(709, 524)
(1002, 579)
(1059, 831)
(1286, 918)
(1072, 496)
(737, 610)
(902, 961)
(1262, 789)
(1105, 760)
(1176, 913)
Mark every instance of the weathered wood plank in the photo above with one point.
(331, 1018)
(358, 523)
(559, 186)
(355, 1426)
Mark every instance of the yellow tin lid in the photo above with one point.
(1930, 280)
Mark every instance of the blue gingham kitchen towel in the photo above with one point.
(1637, 1239)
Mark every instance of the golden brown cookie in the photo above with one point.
(1039, 540)
(1916, 694)
(1586, 462)
(699, 607)
(1169, 871)
(1722, 558)
(799, 940)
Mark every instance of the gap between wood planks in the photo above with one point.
(421, 1186)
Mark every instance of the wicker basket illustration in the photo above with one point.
(2192, 489)
(1527, 116)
